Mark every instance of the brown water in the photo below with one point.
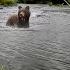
(45, 45)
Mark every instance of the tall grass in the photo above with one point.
(2, 67)
(7, 2)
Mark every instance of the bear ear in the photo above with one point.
(27, 7)
(19, 7)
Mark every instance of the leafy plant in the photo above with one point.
(2, 67)
(7, 2)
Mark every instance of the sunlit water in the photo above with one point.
(45, 45)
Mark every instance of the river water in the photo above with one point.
(45, 45)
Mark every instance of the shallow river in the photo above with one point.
(45, 45)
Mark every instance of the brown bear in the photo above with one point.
(21, 19)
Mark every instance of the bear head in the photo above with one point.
(23, 16)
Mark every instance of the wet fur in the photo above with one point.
(16, 20)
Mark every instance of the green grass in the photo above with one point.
(7, 2)
(2, 67)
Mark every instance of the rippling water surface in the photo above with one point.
(45, 45)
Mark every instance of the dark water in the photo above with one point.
(45, 45)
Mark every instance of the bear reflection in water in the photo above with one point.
(21, 19)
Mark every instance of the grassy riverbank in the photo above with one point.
(7, 2)
(49, 2)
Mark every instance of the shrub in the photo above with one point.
(7, 2)
(2, 67)
(69, 1)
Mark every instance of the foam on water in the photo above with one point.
(47, 48)
(37, 16)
